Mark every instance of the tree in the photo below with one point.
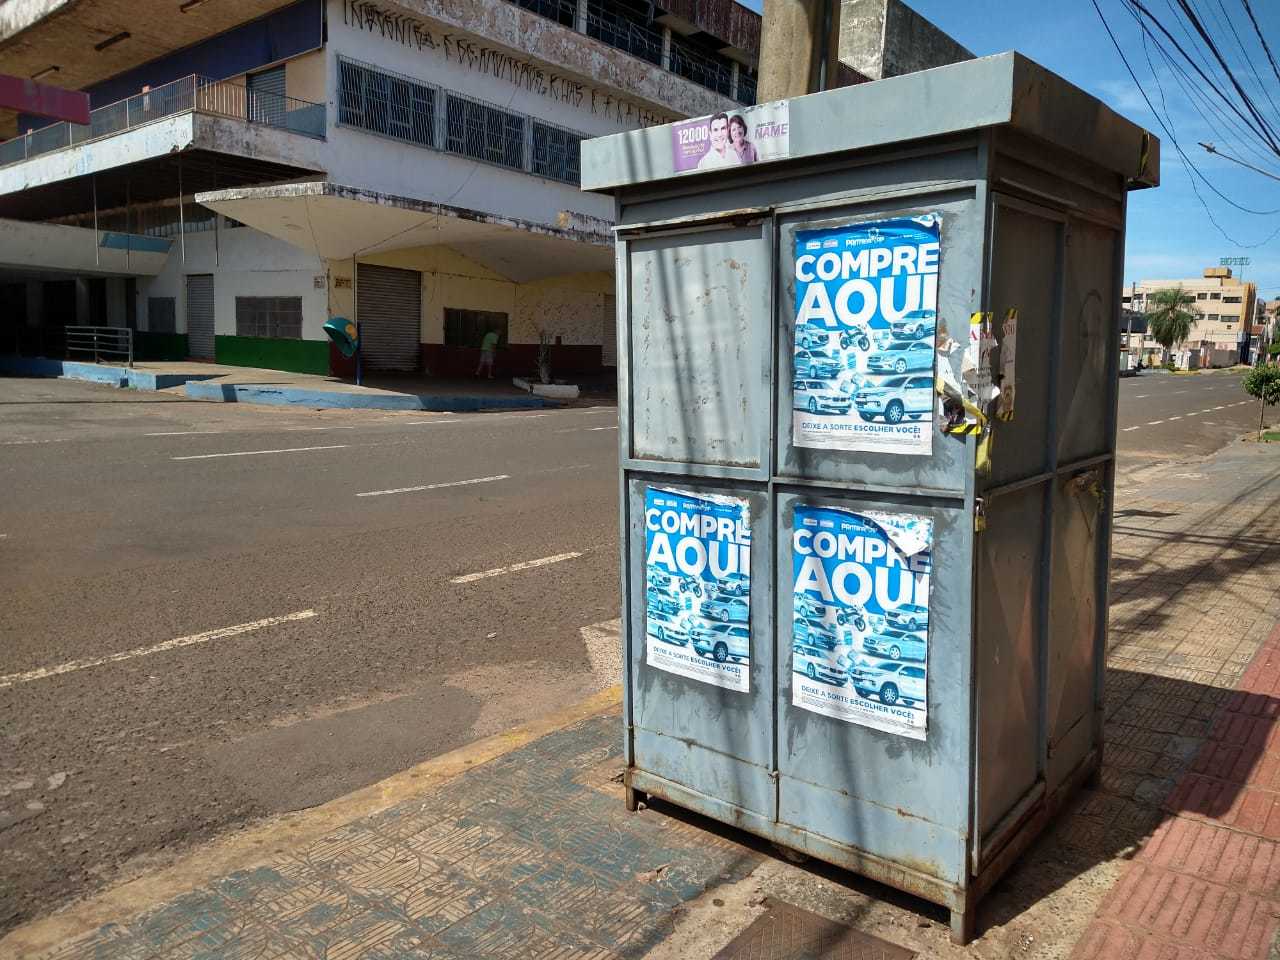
(1263, 382)
(1169, 321)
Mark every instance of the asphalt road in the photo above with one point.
(297, 569)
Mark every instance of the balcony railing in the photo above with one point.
(221, 98)
(599, 21)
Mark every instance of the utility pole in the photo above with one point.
(799, 48)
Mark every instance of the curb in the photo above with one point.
(250, 846)
(331, 400)
(122, 377)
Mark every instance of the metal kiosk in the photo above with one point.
(867, 393)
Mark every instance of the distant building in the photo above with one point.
(1224, 331)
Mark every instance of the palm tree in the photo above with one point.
(1169, 321)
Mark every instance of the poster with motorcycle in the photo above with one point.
(866, 319)
(860, 617)
(698, 586)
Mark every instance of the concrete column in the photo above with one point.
(666, 48)
(116, 302)
(799, 48)
(35, 302)
(733, 79)
(82, 302)
(580, 17)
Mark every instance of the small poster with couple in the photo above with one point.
(750, 135)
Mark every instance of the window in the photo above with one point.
(475, 129)
(466, 328)
(1213, 318)
(385, 103)
(1230, 299)
(1215, 296)
(279, 318)
(556, 153)
(161, 312)
(1202, 296)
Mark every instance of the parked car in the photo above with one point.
(736, 584)
(691, 585)
(817, 397)
(662, 607)
(818, 364)
(725, 608)
(722, 641)
(893, 683)
(896, 399)
(895, 646)
(813, 632)
(659, 579)
(811, 338)
(817, 663)
(901, 357)
(676, 632)
(916, 325)
(909, 616)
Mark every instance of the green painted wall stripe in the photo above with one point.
(296, 356)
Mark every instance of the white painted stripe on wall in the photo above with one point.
(526, 565)
(434, 486)
(258, 453)
(220, 634)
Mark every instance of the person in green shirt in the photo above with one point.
(488, 348)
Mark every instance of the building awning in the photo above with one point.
(52, 250)
(338, 223)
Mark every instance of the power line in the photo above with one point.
(1248, 8)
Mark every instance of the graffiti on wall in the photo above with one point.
(411, 32)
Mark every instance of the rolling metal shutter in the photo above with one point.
(389, 308)
(200, 316)
(267, 102)
(609, 332)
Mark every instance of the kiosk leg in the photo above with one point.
(964, 923)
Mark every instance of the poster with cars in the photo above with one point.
(865, 326)
(698, 586)
(860, 617)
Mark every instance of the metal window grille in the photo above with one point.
(466, 328)
(404, 109)
(279, 318)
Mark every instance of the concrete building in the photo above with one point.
(253, 169)
(1224, 329)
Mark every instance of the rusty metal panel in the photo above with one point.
(699, 347)
(716, 741)
(884, 794)
(1074, 609)
(1025, 271)
(1006, 665)
(1089, 323)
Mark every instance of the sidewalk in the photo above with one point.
(228, 384)
(520, 847)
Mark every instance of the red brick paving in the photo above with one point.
(1206, 883)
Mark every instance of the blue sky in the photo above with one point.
(1170, 235)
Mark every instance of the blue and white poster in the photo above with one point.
(860, 617)
(698, 586)
(866, 317)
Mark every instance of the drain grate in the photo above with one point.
(785, 932)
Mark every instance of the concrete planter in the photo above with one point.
(552, 391)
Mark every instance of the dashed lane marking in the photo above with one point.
(1152, 423)
(434, 486)
(515, 567)
(258, 453)
(196, 638)
(1127, 429)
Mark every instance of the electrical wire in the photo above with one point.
(1248, 8)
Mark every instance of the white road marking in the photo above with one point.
(434, 486)
(1174, 418)
(1192, 414)
(1207, 411)
(1220, 408)
(195, 638)
(183, 433)
(1142, 396)
(526, 565)
(418, 423)
(1152, 423)
(19, 443)
(1127, 429)
(258, 453)
(585, 429)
